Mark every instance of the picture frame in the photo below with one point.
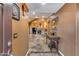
(15, 12)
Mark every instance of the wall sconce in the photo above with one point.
(24, 9)
(45, 25)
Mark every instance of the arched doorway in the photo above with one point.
(37, 41)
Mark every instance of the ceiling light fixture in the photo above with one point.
(43, 3)
(33, 13)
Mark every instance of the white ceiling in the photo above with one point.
(39, 9)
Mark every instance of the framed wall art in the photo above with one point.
(15, 12)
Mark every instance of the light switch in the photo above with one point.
(15, 35)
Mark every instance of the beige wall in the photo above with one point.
(20, 44)
(67, 29)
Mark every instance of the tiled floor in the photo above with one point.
(39, 47)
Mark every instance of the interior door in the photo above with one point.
(5, 29)
(0, 28)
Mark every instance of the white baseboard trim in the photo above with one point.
(28, 52)
(61, 53)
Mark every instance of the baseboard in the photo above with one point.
(61, 53)
(28, 52)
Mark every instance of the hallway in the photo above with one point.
(36, 29)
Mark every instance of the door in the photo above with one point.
(0, 28)
(5, 29)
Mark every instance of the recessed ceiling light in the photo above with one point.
(43, 3)
(33, 13)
